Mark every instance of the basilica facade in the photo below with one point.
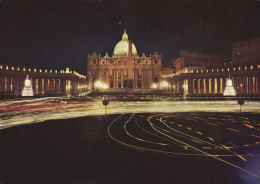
(124, 69)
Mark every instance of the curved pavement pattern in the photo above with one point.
(227, 137)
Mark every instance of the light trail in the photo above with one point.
(26, 111)
(227, 148)
(168, 138)
(203, 152)
(143, 148)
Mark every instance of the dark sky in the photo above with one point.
(58, 34)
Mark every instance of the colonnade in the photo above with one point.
(47, 83)
(214, 85)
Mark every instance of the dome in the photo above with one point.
(122, 47)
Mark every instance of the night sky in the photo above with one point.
(57, 34)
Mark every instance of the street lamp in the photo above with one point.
(104, 86)
(164, 84)
(100, 85)
(185, 87)
(154, 86)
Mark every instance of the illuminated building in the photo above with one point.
(43, 82)
(124, 69)
(200, 73)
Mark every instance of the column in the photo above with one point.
(199, 85)
(210, 86)
(257, 84)
(122, 76)
(116, 79)
(114, 75)
(221, 85)
(215, 85)
(135, 77)
(143, 79)
(247, 85)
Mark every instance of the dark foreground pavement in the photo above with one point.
(80, 151)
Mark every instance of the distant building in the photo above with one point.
(195, 59)
(198, 73)
(246, 52)
(124, 69)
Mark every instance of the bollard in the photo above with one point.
(105, 103)
(240, 102)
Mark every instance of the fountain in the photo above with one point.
(229, 90)
(27, 89)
